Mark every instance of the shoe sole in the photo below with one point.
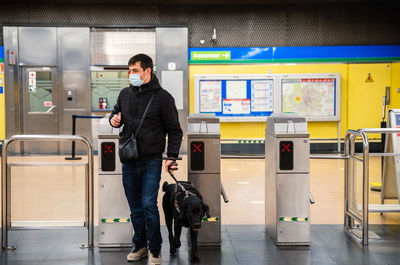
(141, 257)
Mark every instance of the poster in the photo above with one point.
(261, 96)
(236, 106)
(236, 89)
(210, 96)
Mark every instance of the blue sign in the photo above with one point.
(1, 90)
(299, 54)
(1, 53)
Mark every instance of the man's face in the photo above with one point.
(137, 69)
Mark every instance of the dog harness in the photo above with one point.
(187, 193)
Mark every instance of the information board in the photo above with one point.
(314, 96)
(235, 97)
(255, 97)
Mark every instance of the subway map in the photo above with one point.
(309, 97)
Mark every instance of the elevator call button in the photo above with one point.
(108, 156)
(197, 155)
(286, 150)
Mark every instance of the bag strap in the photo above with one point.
(144, 115)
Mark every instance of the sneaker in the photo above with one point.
(155, 257)
(137, 254)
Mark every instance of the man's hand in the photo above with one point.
(170, 166)
(116, 120)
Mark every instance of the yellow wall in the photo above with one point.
(395, 80)
(365, 98)
(2, 111)
(361, 102)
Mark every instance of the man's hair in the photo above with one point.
(145, 61)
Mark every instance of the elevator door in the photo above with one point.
(40, 112)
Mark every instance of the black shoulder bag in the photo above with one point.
(128, 149)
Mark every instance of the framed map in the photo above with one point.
(315, 96)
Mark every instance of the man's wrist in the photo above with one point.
(171, 158)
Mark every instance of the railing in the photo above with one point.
(349, 212)
(351, 208)
(6, 182)
(352, 212)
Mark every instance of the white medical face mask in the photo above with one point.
(135, 80)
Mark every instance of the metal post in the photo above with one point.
(6, 180)
(365, 188)
(6, 200)
(339, 147)
(73, 142)
(346, 176)
(352, 153)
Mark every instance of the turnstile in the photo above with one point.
(391, 164)
(115, 227)
(287, 180)
(204, 155)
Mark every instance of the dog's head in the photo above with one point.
(194, 209)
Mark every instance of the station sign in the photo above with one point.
(210, 55)
(234, 55)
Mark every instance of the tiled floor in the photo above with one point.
(57, 193)
(241, 244)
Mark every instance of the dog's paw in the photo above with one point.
(194, 258)
(177, 244)
(172, 251)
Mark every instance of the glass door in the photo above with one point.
(40, 112)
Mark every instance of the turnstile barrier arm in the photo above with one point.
(223, 194)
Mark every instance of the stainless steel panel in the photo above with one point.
(38, 46)
(172, 47)
(270, 186)
(11, 88)
(74, 75)
(212, 154)
(116, 46)
(74, 48)
(287, 193)
(40, 121)
(293, 200)
(78, 82)
(209, 186)
(113, 204)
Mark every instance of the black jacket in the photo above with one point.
(161, 119)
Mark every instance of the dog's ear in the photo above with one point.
(206, 209)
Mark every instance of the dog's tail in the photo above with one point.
(165, 186)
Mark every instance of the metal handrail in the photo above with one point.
(6, 184)
(349, 151)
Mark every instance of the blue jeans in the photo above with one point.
(141, 180)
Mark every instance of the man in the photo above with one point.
(141, 177)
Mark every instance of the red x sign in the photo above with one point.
(108, 148)
(286, 147)
(196, 147)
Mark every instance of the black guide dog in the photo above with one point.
(183, 206)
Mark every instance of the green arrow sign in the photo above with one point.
(211, 55)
